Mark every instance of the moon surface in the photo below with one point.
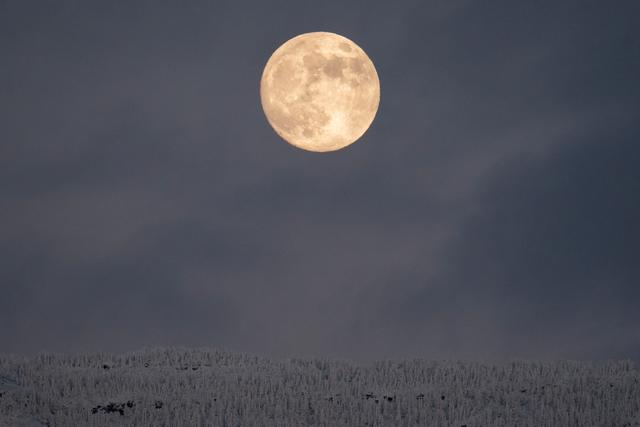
(320, 91)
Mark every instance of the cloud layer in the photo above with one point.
(489, 212)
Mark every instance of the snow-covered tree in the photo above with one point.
(183, 387)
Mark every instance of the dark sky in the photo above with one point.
(491, 211)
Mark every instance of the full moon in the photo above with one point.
(320, 91)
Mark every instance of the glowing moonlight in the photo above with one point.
(320, 91)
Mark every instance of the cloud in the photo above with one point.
(145, 200)
(544, 267)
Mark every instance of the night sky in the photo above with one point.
(490, 212)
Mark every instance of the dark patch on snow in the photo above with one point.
(113, 407)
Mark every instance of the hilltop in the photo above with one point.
(181, 386)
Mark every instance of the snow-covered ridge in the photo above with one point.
(181, 387)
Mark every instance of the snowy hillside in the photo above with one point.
(178, 386)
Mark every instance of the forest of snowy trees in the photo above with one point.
(206, 387)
